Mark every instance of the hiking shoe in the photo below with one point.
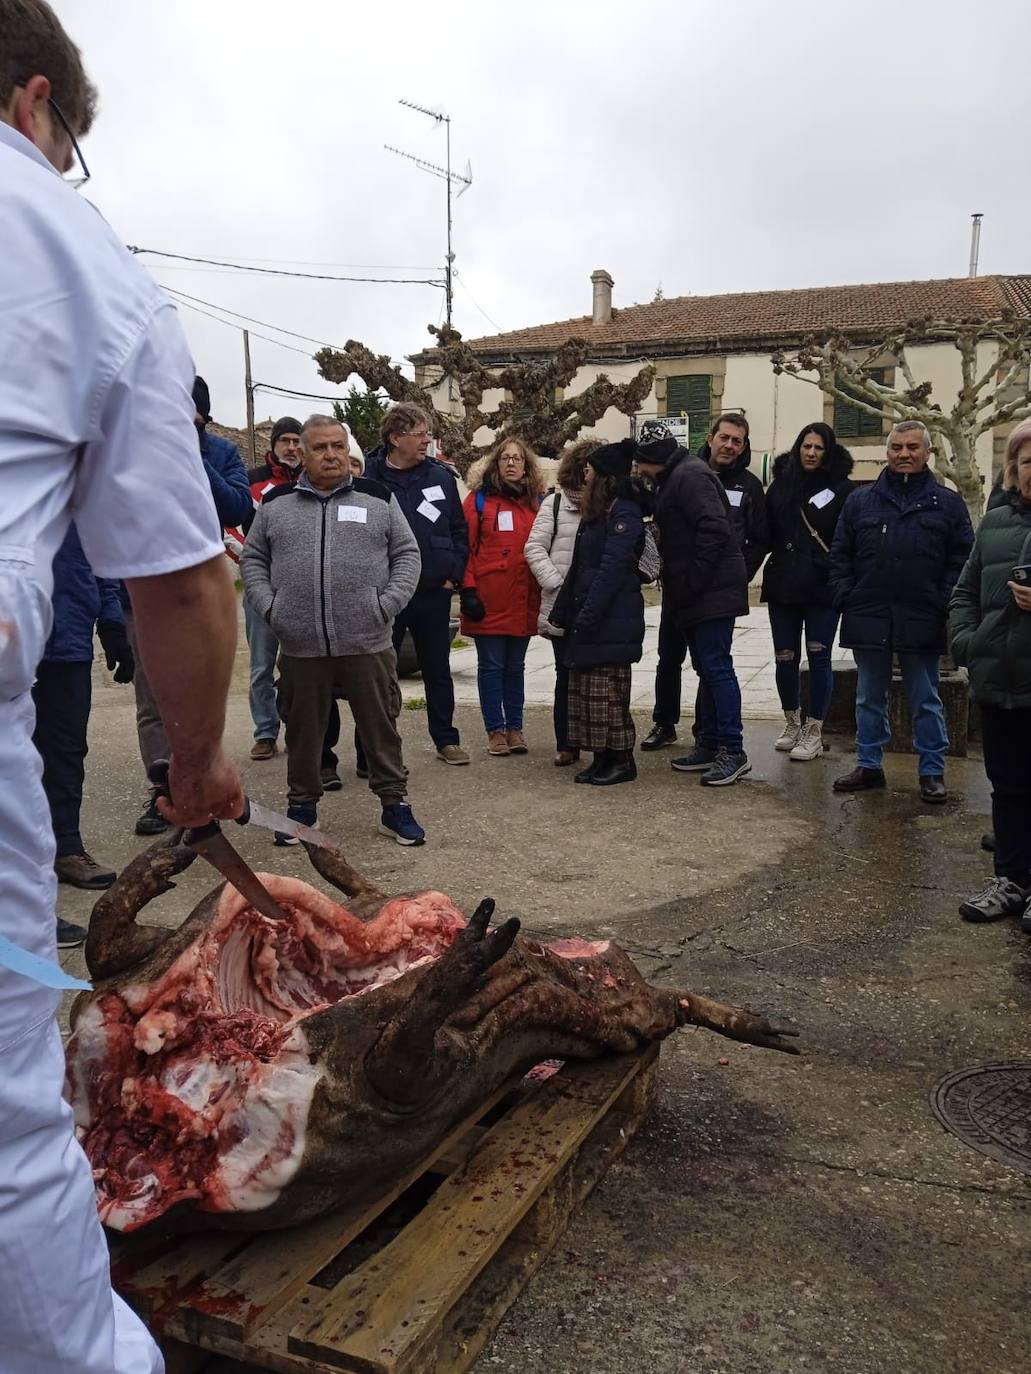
(453, 754)
(1025, 920)
(69, 936)
(263, 749)
(999, 898)
(860, 780)
(82, 870)
(700, 758)
(658, 737)
(497, 744)
(810, 742)
(932, 788)
(516, 743)
(397, 820)
(330, 779)
(789, 736)
(305, 815)
(151, 821)
(726, 768)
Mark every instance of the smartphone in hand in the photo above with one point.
(1022, 574)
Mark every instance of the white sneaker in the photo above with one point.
(789, 736)
(810, 742)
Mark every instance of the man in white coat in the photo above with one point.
(96, 421)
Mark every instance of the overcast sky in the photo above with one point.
(710, 147)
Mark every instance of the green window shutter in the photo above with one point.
(850, 422)
(691, 396)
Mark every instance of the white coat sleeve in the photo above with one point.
(142, 501)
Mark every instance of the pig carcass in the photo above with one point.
(244, 1073)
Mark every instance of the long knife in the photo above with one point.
(255, 814)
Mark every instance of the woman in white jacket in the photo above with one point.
(549, 553)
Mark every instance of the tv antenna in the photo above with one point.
(463, 180)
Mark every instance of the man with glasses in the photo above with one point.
(95, 409)
(427, 493)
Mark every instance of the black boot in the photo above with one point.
(620, 768)
(589, 773)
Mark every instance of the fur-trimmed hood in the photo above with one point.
(836, 468)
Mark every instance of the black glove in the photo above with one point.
(472, 607)
(117, 653)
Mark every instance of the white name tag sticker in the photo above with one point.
(269, 486)
(433, 493)
(429, 512)
(357, 515)
(822, 498)
(505, 521)
(735, 497)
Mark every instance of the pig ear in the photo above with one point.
(400, 1066)
(115, 942)
(332, 865)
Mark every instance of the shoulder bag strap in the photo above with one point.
(801, 511)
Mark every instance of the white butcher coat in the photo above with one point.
(96, 424)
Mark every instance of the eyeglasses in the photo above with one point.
(76, 179)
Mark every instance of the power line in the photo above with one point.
(286, 391)
(281, 272)
(182, 295)
(362, 266)
(230, 325)
(479, 307)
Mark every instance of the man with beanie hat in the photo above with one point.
(705, 586)
(231, 494)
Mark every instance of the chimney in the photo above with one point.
(975, 243)
(603, 284)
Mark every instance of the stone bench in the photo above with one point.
(841, 717)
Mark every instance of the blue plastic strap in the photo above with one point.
(34, 966)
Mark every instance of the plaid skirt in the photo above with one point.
(599, 708)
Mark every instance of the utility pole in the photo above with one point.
(250, 392)
(464, 179)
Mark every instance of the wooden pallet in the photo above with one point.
(366, 1291)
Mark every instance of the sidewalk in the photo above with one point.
(753, 658)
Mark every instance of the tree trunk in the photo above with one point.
(960, 467)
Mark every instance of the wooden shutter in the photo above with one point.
(691, 396)
(850, 422)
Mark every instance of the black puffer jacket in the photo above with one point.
(798, 570)
(747, 498)
(703, 569)
(899, 547)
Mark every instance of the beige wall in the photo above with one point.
(777, 407)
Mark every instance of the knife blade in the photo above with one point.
(212, 845)
(255, 814)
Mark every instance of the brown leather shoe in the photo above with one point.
(263, 749)
(516, 742)
(565, 757)
(82, 870)
(497, 743)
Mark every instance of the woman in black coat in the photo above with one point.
(809, 488)
(601, 611)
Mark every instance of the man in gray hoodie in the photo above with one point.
(329, 563)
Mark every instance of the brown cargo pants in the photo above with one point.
(305, 696)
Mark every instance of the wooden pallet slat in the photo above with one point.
(376, 1318)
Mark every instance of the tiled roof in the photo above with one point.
(242, 440)
(702, 322)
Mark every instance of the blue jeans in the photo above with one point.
(428, 617)
(264, 647)
(873, 727)
(499, 679)
(820, 624)
(672, 652)
(717, 719)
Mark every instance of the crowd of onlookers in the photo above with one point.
(342, 555)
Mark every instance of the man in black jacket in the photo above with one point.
(728, 453)
(427, 493)
(704, 587)
(898, 549)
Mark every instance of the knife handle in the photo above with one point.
(158, 775)
(245, 814)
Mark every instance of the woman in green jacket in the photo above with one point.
(990, 620)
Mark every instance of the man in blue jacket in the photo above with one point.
(231, 493)
(427, 493)
(62, 694)
(898, 549)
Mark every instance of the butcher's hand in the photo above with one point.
(202, 791)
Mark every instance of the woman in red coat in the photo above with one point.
(500, 595)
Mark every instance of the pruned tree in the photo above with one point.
(534, 411)
(989, 395)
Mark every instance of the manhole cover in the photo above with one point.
(989, 1109)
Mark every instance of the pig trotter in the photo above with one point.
(736, 1023)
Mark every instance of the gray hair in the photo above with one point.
(904, 426)
(321, 422)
